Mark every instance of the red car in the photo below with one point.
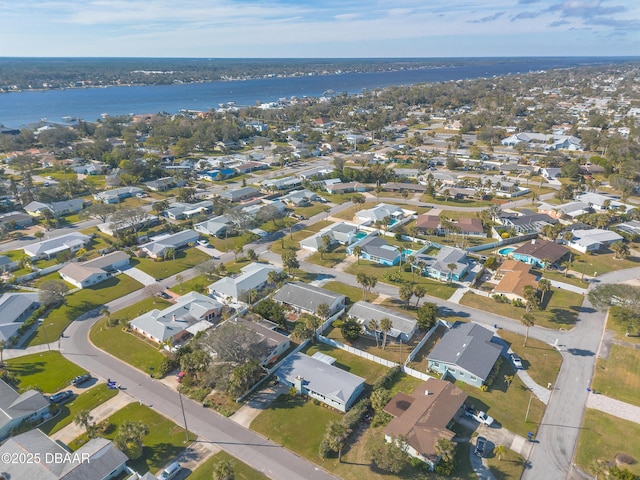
(179, 377)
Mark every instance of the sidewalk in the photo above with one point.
(539, 391)
(458, 294)
(614, 407)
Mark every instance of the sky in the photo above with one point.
(318, 28)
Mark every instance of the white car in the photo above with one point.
(482, 417)
(517, 362)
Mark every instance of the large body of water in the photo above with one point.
(23, 108)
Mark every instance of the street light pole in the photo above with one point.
(46, 337)
(528, 407)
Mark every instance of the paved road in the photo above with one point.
(274, 461)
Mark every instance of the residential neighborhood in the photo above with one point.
(450, 294)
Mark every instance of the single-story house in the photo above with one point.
(375, 249)
(16, 408)
(18, 219)
(409, 187)
(112, 228)
(341, 233)
(404, 326)
(233, 289)
(163, 184)
(631, 227)
(318, 378)
(286, 183)
(117, 194)
(467, 352)
(58, 209)
(569, 209)
(254, 209)
(383, 211)
(277, 343)
(438, 266)
(159, 245)
(601, 202)
(92, 272)
(526, 221)
(179, 210)
(240, 194)
(349, 187)
(53, 246)
(539, 252)
(544, 141)
(429, 224)
(98, 459)
(306, 298)
(299, 198)
(423, 417)
(316, 172)
(15, 308)
(216, 226)
(550, 173)
(514, 276)
(593, 239)
(172, 322)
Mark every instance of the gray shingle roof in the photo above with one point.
(469, 346)
(306, 297)
(365, 311)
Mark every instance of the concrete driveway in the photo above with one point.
(140, 276)
(259, 402)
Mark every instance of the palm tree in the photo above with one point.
(500, 450)
(357, 251)
(223, 470)
(373, 328)
(544, 286)
(3, 343)
(451, 267)
(83, 419)
(530, 294)
(419, 291)
(169, 252)
(445, 448)
(528, 320)
(620, 249)
(337, 436)
(385, 326)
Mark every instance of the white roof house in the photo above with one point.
(321, 380)
(159, 244)
(92, 272)
(307, 298)
(173, 321)
(342, 233)
(252, 277)
(117, 194)
(403, 327)
(593, 239)
(50, 247)
(15, 308)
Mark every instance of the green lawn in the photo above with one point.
(434, 287)
(507, 404)
(127, 346)
(599, 263)
(49, 371)
(186, 258)
(297, 424)
(604, 436)
(329, 259)
(85, 401)
(615, 323)
(311, 210)
(617, 376)
(560, 277)
(241, 470)
(561, 308)
(509, 468)
(541, 361)
(81, 302)
(165, 440)
(201, 281)
(353, 293)
(362, 367)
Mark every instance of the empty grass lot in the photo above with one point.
(185, 258)
(126, 346)
(561, 308)
(541, 361)
(81, 302)
(434, 288)
(48, 370)
(617, 376)
(241, 470)
(604, 436)
(85, 401)
(165, 440)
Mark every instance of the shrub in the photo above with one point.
(386, 380)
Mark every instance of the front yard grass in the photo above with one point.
(541, 361)
(599, 263)
(85, 401)
(241, 470)
(615, 323)
(329, 259)
(507, 403)
(604, 436)
(509, 468)
(165, 440)
(49, 371)
(354, 294)
(562, 307)
(433, 287)
(185, 258)
(124, 345)
(197, 284)
(81, 302)
(617, 376)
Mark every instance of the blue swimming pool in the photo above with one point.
(506, 251)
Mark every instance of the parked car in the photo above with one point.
(164, 295)
(170, 472)
(179, 377)
(481, 442)
(80, 379)
(482, 417)
(61, 397)
(517, 362)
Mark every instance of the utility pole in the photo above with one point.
(184, 417)
(528, 407)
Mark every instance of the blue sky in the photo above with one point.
(319, 28)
